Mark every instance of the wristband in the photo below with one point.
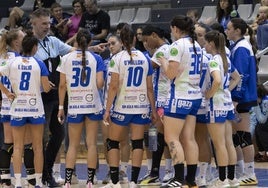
(60, 107)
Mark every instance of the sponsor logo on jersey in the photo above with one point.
(3, 63)
(213, 64)
(112, 63)
(174, 51)
(159, 54)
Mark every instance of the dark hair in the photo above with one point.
(55, 5)
(127, 36)
(239, 23)
(221, 13)
(149, 29)
(28, 42)
(6, 40)
(205, 26)
(81, 2)
(185, 24)
(218, 27)
(120, 25)
(261, 91)
(83, 39)
(194, 11)
(219, 41)
(40, 13)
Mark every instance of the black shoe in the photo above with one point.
(172, 183)
(50, 182)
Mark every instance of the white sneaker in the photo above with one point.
(58, 178)
(168, 176)
(234, 182)
(74, 179)
(133, 185)
(250, 179)
(95, 180)
(107, 179)
(111, 185)
(66, 185)
(220, 184)
(89, 185)
(123, 177)
(201, 181)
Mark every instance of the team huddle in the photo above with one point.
(192, 90)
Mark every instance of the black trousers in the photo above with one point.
(261, 133)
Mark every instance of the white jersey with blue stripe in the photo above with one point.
(25, 75)
(204, 66)
(186, 86)
(222, 99)
(5, 107)
(83, 95)
(132, 93)
(160, 81)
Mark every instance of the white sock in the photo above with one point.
(149, 164)
(203, 166)
(38, 178)
(123, 166)
(56, 167)
(249, 168)
(168, 164)
(240, 167)
(17, 179)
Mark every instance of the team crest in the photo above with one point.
(159, 54)
(3, 63)
(174, 51)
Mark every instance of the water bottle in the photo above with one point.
(152, 133)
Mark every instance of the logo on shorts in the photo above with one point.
(112, 63)
(32, 102)
(174, 51)
(89, 97)
(213, 64)
(142, 97)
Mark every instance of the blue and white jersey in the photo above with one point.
(83, 95)
(204, 65)
(186, 86)
(25, 75)
(243, 59)
(131, 96)
(5, 107)
(160, 81)
(222, 99)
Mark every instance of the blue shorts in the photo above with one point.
(180, 108)
(126, 119)
(79, 118)
(220, 116)
(20, 121)
(5, 118)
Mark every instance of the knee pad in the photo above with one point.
(137, 144)
(146, 139)
(244, 138)
(236, 140)
(29, 158)
(5, 157)
(112, 144)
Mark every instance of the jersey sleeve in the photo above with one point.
(100, 63)
(175, 52)
(61, 66)
(4, 68)
(213, 65)
(43, 68)
(114, 65)
(150, 67)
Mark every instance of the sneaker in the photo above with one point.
(168, 176)
(172, 183)
(123, 177)
(187, 184)
(111, 185)
(133, 185)
(66, 185)
(95, 180)
(145, 177)
(201, 181)
(89, 185)
(248, 180)
(75, 179)
(220, 184)
(58, 178)
(234, 182)
(107, 179)
(50, 182)
(150, 180)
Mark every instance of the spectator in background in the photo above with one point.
(95, 20)
(225, 12)
(259, 117)
(219, 27)
(262, 27)
(18, 17)
(193, 14)
(58, 22)
(73, 23)
(119, 28)
(139, 43)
